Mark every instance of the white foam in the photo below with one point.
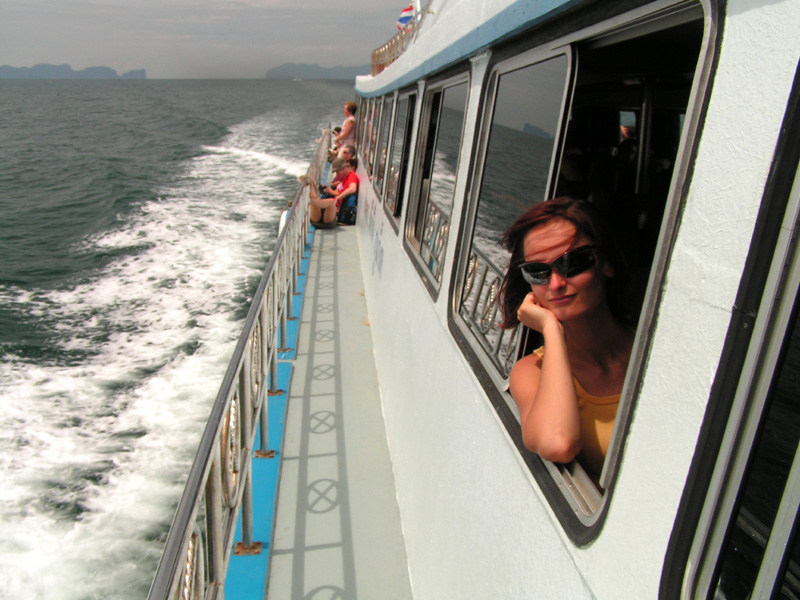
(113, 434)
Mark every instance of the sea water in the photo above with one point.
(136, 218)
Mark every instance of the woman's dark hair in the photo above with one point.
(588, 222)
(351, 107)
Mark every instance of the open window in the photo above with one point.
(428, 224)
(599, 117)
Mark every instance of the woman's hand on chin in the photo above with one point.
(535, 316)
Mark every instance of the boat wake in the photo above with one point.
(98, 434)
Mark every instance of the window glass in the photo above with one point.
(363, 112)
(363, 145)
(442, 145)
(372, 144)
(401, 143)
(372, 133)
(516, 170)
(381, 152)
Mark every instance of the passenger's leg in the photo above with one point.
(315, 211)
(323, 209)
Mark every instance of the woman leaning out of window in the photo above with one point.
(568, 281)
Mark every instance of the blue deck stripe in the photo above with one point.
(292, 326)
(246, 578)
(247, 575)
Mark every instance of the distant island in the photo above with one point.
(537, 131)
(44, 71)
(300, 71)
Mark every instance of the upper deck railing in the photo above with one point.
(392, 50)
(219, 484)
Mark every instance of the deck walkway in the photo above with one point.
(337, 530)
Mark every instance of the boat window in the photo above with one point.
(601, 120)
(398, 160)
(748, 535)
(773, 465)
(744, 541)
(363, 145)
(374, 130)
(440, 145)
(383, 141)
(362, 114)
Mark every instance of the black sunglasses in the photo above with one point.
(568, 264)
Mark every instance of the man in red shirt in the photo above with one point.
(323, 211)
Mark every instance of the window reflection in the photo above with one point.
(520, 150)
(404, 116)
(372, 133)
(381, 152)
(442, 146)
(515, 175)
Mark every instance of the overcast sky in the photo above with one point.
(194, 38)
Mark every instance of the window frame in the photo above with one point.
(361, 120)
(565, 485)
(758, 320)
(749, 403)
(380, 186)
(469, 218)
(374, 131)
(363, 140)
(406, 155)
(411, 243)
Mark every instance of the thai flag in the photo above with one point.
(405, 17)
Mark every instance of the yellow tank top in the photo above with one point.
(598, 414)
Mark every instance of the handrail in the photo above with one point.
(219, 480)
(480, 309)
(392, 50)
(400, 42)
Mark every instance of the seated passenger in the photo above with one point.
(567, 280)
(323, 211)
(348, 153)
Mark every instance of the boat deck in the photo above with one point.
(337, 525)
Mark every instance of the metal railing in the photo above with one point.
(434, 238)
(388, 53)
(392, 50)
(199, 542)
(480, 308)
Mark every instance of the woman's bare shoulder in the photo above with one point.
(525, 372)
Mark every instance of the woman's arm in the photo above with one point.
(544, 391)
(347, 127)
